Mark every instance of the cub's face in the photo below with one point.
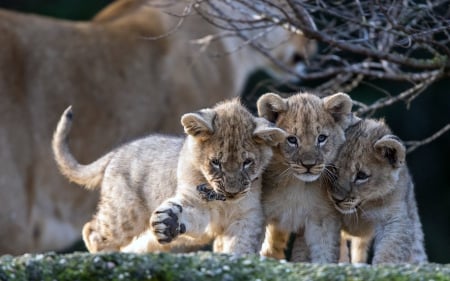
(314, 127)
(367, 166)
(230, 146)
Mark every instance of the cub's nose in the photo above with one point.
(246, 183)
(337, 199)
(308, 164)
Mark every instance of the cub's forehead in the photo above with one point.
(233, 120)
(233, 131)
(358, 148)
(231, 143)
(305, 114)
(352, 155)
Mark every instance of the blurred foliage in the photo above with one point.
(67, 9)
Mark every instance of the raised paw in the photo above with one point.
(165, 224)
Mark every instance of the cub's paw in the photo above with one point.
(165, 224)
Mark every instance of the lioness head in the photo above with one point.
(230, 145)
(368, 166)
(314, 127)
(282, 42)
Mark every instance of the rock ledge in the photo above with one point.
(200, 266)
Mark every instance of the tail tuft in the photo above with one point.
(89, 175)
(69, 113)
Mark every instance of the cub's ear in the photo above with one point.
(268, 133)
(270, 106)
(199, 124)
(340, 107)
(390, 148)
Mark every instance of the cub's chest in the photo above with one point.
(225, 212)
(292, 204)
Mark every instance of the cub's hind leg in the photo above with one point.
(114, 226)
(300, 250)
(275, 242)
(359, 248)
(93, 240)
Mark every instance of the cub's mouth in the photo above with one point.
(208, 193)
(307, 172)
(346, 206)
(307, 176)
(346, 210)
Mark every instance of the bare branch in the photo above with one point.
(413, 145)
(186, 11)
(361, 41)
(401, 97)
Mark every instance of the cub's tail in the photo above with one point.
(89, 175)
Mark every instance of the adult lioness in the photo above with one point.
(47, 64)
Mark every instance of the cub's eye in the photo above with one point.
(321, 139)
(292, 140)
(361, 177)
(247, 163)
(215, 163)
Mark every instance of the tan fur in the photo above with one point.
(226, 149)
(120, 80)
(375, 194)
(293, 198)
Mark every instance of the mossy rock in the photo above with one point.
(200, 266)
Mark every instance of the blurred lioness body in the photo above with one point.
(135, 63)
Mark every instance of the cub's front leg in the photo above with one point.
(177, 216)
(393, 241)
(243, 235)
(323, 239)
(165, 221)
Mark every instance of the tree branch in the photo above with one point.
(360, 40)
(413, 145)
(384, 102)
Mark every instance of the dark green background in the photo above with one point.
(68, 9)
(428, 113)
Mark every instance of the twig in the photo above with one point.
(186, 12)
(362, 39)
(413, 145)
(402, 96)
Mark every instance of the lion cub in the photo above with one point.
(293, 198)
(208, 183)
(374, 193)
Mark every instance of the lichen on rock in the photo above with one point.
(200, 266)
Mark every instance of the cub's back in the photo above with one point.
(148, 164)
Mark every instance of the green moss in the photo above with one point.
(200, 266)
